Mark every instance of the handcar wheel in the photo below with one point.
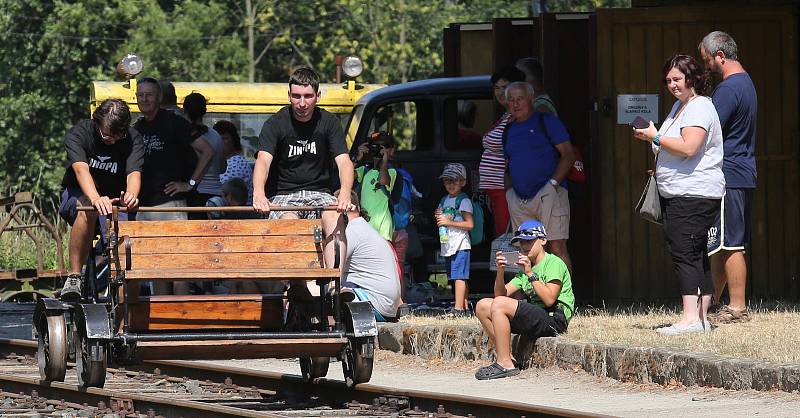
(357, 361)
(90, 361)
(51, 353)
(314, 367)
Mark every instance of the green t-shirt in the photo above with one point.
(549, 269)
(375, 199)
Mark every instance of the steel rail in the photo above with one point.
(333, 389)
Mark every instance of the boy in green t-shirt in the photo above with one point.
(378, 185)
(546, 284)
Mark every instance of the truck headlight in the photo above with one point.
(352, 66)
(130, 66)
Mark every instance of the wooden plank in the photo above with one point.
(789, 128)
(604, 182)
(190, 314)
(223, 261)
(240, 349)
(770, 95)
(231, 274)
(198, 228)
(759, 275)
(223, 244)
(622, 147)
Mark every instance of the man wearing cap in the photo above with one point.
(539, 156)
(548, 302)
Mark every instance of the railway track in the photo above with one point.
(191, 389)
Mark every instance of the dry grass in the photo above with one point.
(773, 333)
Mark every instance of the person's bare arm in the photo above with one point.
(260, 173)
(86, 182)
(346, 175)
(565, 162)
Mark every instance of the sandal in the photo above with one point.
(728, 315)
(495, 371)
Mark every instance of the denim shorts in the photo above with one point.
(457, 265)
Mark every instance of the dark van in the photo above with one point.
(434, 122)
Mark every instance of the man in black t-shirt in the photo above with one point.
(175, 156)
(104, 164)
(300, 143)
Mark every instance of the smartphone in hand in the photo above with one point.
(640, 123)
(511, 261)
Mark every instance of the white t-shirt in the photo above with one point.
(458, 239)
(699, 175)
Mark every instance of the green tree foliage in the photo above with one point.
(53, 49)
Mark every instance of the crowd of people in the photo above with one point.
(705, 172)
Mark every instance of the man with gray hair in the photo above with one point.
(539, 156)
(737, 106)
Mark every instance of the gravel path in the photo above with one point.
(559, 388)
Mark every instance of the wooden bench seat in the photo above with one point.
(230, 274)
(201, 250)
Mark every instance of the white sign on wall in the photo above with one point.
(629, 106)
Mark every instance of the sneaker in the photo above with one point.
(71, 292)
(728, 315)
(675, 329)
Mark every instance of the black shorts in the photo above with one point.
(731, 229)
(534, 321)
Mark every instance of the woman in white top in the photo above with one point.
(688, 149)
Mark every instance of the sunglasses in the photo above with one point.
(537, 232)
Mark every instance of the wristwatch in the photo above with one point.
(554, 182)
(193, 183)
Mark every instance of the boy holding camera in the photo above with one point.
(378, 186)
(548, 305)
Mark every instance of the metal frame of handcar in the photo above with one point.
(84, 331)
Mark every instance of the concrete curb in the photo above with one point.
(628, 364)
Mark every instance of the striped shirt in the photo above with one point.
(492, 168)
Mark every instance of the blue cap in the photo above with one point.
(530, 229)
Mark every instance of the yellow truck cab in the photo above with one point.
(247, 105)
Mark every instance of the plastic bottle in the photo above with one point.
(444, 234)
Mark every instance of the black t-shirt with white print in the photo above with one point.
(109, 165)
(168, 155)
(303, 152)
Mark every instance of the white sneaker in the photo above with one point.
(675, 329)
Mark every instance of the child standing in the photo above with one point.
(454, 218)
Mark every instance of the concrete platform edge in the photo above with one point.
(628, 364)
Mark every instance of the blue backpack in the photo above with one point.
(401, 211)
(476, 233)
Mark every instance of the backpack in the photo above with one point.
(476, 233)
(576, 174)
(401, 211)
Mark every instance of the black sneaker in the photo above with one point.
(71, 292)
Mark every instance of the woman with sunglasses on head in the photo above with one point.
(688, 172)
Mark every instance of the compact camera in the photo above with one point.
(374, 151)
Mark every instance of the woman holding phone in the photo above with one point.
(688, 149)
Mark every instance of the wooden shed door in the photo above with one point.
(632, 46)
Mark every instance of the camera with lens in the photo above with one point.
(374, 150)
